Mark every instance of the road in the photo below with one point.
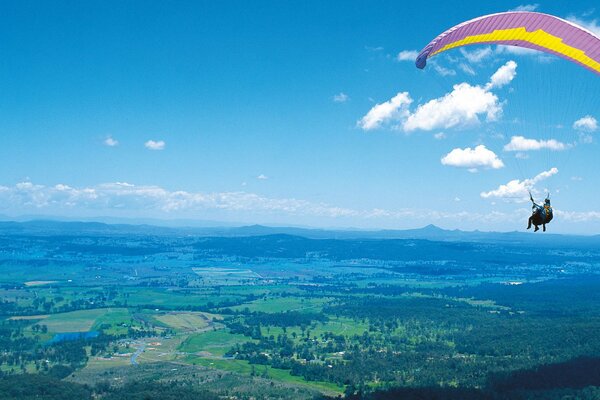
(137, 353)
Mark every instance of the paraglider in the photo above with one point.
(541, 214)
(527, 29)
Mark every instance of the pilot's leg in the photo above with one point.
(529, 224)
(537, 228)
(544, 227)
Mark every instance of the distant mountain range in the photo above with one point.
(429, 232)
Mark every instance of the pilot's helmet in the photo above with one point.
(547, 202)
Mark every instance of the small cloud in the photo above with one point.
(341, 97)
(520, 143)
(374, 48)
(503, 76)
(407, 55)
(478, 55)
(517, 189)
(392, 110)
(459, 108)
(470, 158)
(526, 7)
(522, 156)
(262, 177)
(111, 142)
(576, 178)
(586, 124)
(155, 145)
(443, 71)
(440, 136)
(244, 183)
(457, 199)
(467, 69)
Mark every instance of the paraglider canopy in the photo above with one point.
(531, 30)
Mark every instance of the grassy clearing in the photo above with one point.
(215, 343)
(470, 301)
(282, 304)
(119, 320)
(243, 367)
(174, 299)
(76, 321)
(184, 321)
(28, 317)
(39, 283)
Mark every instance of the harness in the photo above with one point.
(542, 214)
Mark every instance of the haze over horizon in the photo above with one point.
(171, 113)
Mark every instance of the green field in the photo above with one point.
(86, 320)
(243, 367)
(75, 321)
(184, 321)
(217, 343)
(172, 298)
(118, 318)
(282, 304)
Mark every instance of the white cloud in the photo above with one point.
(586, 124)
(470, 158)
(520, 143)
(443, 71)
(592, 26)
(578, 216)
(478, 55)
(407, 55)
(341, 97)
(503, 76)
(262, 177)
(460, 108)
(576, 178)
(467, 69)
(155, 145)
(111, 142)
(518, 190)
(129, 200)
(381, 114)
(440, 136)
(526, 7)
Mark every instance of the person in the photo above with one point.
(540, 215)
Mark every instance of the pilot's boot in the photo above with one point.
(544, 226)
(537, 228)
(529, 224)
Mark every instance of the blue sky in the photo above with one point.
(289, 113)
